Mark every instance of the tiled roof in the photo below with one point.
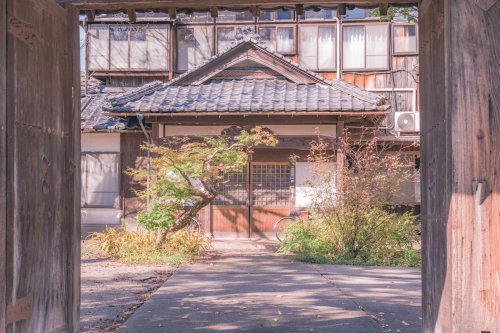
(248, 95)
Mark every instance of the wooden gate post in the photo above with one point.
(460, 132)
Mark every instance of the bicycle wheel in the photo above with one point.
(194, 225)
(280, 225)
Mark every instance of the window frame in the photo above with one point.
(318, 25)
(119, 192)
(175, 44)
(276, 26)
(365, 24)
(128, 27)
(399, 24)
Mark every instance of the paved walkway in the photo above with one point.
(254, 290)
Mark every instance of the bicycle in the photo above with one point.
(281, 224)
(194, 225)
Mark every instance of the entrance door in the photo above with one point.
(271, 192)
(229, 211)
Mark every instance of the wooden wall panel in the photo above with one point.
(42, 124)
(132, 157)
(460, 134)
(3, 159)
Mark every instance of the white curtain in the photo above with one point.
(98, 47)
(203, 45)
(405, 39)
(326, 47)
(353, 56)
(138, 48)
(157, 54)
(100, 179)
(285, 40)
(308, 46)
(119, 47)
(377, 46)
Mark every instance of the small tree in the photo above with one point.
(352, 211)
(185, 175)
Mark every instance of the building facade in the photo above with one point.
(266, 50)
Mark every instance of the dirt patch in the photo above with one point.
(112, 291)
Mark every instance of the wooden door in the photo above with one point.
(229, 211)
(39, 167)
(271, 192)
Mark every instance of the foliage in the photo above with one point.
(186, 174)
(140, 247)
(408, 13)
(352, 218)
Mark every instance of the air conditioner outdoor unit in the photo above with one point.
(407, 122)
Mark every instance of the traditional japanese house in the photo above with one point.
(183, 57)
(248, 85)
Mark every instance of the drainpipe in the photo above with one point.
(337, 30)
(140, 118)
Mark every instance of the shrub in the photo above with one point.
(352, 218)
(140, 247)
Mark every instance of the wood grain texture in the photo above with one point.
(460, 96)
(115, 4)
(3, 160)
(42, 252)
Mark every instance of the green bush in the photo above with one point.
(388, 239)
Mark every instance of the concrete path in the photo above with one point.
(255, 290)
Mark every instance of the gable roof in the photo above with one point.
(206, 89)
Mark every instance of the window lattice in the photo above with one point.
(270, 184)
(232, 190)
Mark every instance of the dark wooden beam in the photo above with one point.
(90, 15)
(341, 10)
(206, 4)
(255, 11)
(172, 12)
(239, 120)
(383, 7)
(214, 12)
(299, 9)
(132, 16)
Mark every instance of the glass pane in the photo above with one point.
(377, 48)
(157, 39)
(308, 46)
(268, 35)
(286, 40)
(233, 16)
(326, 47)
(265, 15)
(194, 17)
(102, 177)
(284, 14)
(356, 13)
(138, 48)
(98, 47)
(322, 14)
(119, 47)
(226, 36)
(405, 39)
(194, 46)
(353, 47)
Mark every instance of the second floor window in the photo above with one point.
(317, 47)
(404, 39)
(128, 47)
(365, 47)
(194, 46)
(280, 39)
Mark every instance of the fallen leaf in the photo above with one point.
(404, 322)
(275, 319)
(279, 312)
(190, 295)
(186, 316)
(243, 307)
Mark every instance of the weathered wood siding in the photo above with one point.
(132, 157)
(460, 134)
(42, 167)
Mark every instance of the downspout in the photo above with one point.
(339, 70)
(140, 118)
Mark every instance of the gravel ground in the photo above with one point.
(112, 291)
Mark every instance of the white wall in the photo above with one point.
(101, 142)
(101, 216)
(304, 179)
(177, 130)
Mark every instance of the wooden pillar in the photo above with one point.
(3, 159)
(460, 159)
(340, 158)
